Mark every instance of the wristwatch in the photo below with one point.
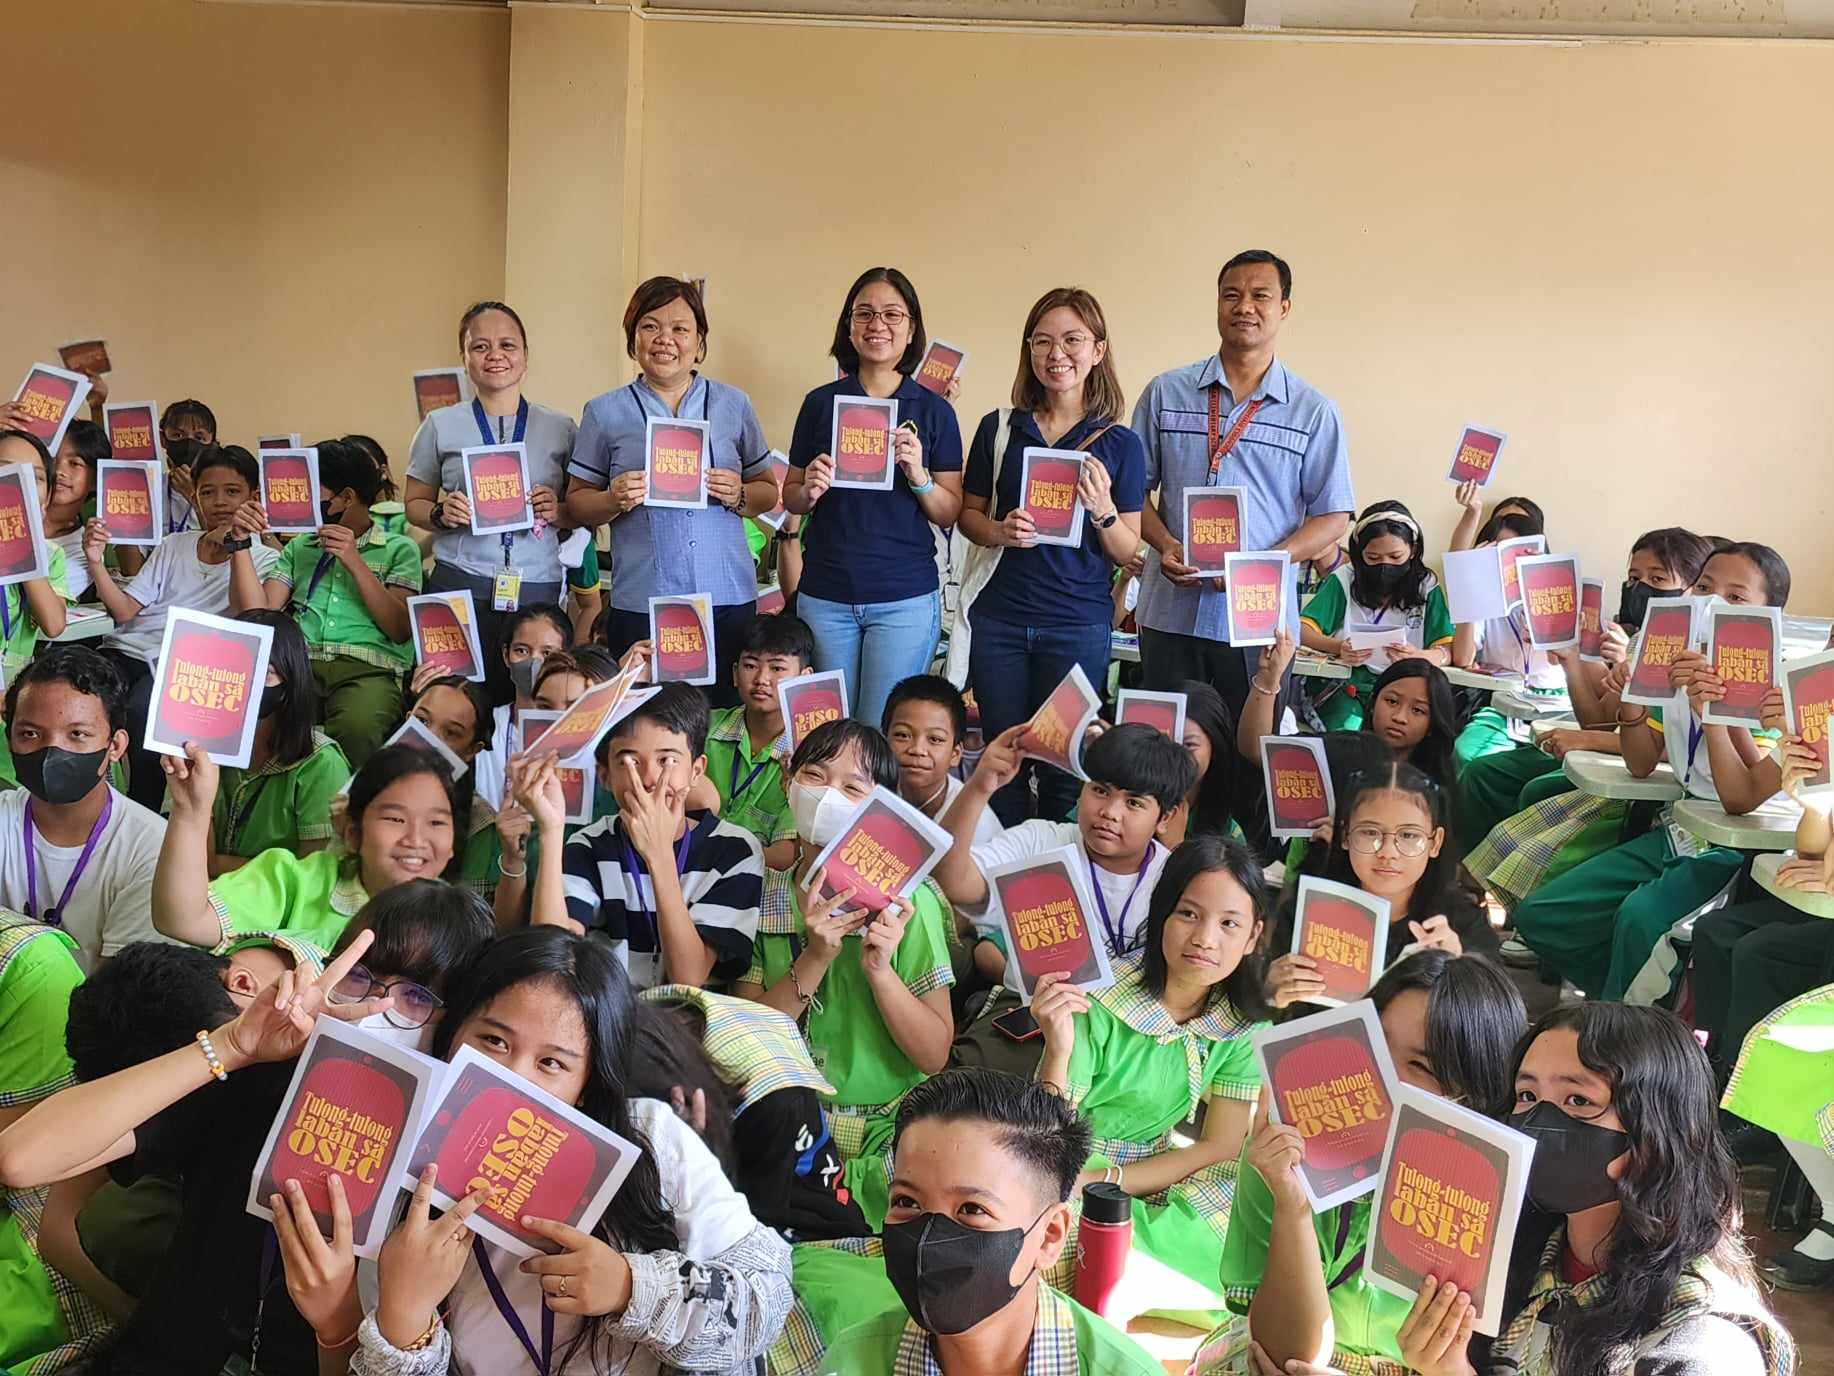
(1105, 522)
(437, 517)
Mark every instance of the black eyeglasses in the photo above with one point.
(414, 1003)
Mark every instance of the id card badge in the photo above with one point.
(506, 593)
(1682, 843)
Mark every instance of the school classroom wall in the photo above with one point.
(1614, 251)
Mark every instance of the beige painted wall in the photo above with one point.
(281, 210)
(1618, 254)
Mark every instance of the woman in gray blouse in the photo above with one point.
(671, 551)
(495, 349)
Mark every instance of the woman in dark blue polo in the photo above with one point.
(1047, 607)
(870, 589)
(671, 551)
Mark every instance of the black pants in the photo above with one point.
(624, 629)
(1750, 959)
(146, 781)
(1167, 659)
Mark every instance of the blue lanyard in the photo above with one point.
(633, 865)
(1115, 945)
(522, 428)
(735, 788)
(544, 1359)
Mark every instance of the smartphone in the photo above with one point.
(1019, 1025)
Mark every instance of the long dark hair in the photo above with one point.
(1373, 525)
(849, 357)
(1205, 709)
(1678, 1197)
(1474, 1019)
(291, 726)
(1435, 891)
(386, 768)
(668, 1052)
(586, 971)
(1527, 519)
(1435, 754)
(1197, 856)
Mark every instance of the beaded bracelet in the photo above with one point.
(210, 1056)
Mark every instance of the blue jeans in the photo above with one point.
(1012, 669)
(875, 644)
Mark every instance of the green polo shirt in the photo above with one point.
(278, 891)
(279, 805)
(760, 804)
(331, 613)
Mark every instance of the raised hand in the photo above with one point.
(1275, 1150)
(827, 920)
(1435, 1336)
(191, 783)
(880, 937)
(590, 1277)
(275, 1026)
(422, 1259)
(1293, 979)
(321, 1272)
(1055, 1004)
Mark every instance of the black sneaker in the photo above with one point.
(1792, 1270)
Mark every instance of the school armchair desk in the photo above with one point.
(1481, 681)
(1316, 666)
(85, 623)
(1771, 827)
(1764, 871)
(1519, 704)
(1607, 776)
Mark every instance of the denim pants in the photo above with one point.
(1012, 669)
(875, 644)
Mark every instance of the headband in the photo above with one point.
(1389, 514)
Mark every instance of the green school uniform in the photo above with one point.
(750, 785)
(1136, 1074)
(278, 805)
(357, 666)
(1780, 1087)
(1490, 790)
(43, 1316)
(1334, 606)
(481, 860)
(19, 638)
(586, 578)
(1365, 1318)
(848, 1039)
(278, 891)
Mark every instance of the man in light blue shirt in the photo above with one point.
(1288, 453)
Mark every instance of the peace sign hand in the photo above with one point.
(275, 1026)
(421, 1261)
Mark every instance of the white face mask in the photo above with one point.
(820, 812)
(413, 1038)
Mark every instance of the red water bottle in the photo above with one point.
(1102, 1243)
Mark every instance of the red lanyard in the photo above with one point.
(1219, 449)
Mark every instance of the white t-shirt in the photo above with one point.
(1503, 643)
(1127, 896)
(173, 576)
(492, 766)
(76, 572)
(112, 904)
(986, 827)
(710, 1218)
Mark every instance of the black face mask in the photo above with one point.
(181, 453)
(58, 776)
(273, 699)
(950, 1276)
(1568, 1175)
(1384, 580)
(1633, 602)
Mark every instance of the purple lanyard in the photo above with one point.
(543, 1359)
(522, 426)
(1695, 731)
(1115, 944)
(54, 918)
(633, 865)
(736, 787)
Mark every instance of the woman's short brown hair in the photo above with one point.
(1102, 395)
(653, 295)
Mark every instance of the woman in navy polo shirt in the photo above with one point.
(673, 551)
(870, 589)
(1047, 607)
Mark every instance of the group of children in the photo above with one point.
(860, 1153)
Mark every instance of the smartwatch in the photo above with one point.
(1106, 522)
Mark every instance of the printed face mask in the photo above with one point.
(1568, 1175)
(820, 812)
